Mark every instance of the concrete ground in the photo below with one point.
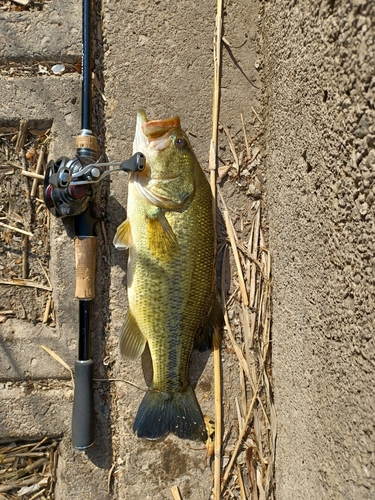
(310, 66)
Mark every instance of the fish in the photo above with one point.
(173, 306)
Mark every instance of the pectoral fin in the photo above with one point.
(123, 237)
(161, 239)
(132, 341)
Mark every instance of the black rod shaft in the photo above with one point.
(86, 65)
(83, 418)
(84, 344)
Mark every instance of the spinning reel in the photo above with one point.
(70, 184)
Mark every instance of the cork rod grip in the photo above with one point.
(85, 250)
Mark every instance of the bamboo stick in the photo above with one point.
(218, 415)
(213, 175)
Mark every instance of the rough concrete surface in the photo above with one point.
(317, 66)
(52, 33)
(319, 77)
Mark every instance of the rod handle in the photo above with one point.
(83, 419)
(85, 251)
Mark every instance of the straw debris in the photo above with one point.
(28, 471)
(24, 224)
(248, 450)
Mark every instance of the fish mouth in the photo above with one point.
(154, 134)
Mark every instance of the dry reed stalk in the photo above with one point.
(32, 175)
(22, 134)
(109, 478)
(241, 436)
(38, 494)
(213, 175)
(21, 475)
(231, 147)
(59, 360)
(253, 250)
(16, 229)
(246, 366)
(256, 326)
(239, 415)
(240, 482)
(243, 392)
(28, 283)
(218, 415)
(232, 238)
(25, 247)
(272, 446)
(252, 474)
(248, 154)
(216, 97)
(44, 272)
(249, 342)
(43, 440)
(256, 114)
(176, 493)
(258, 436)
(14, 165)
(47, 310)
(235, 346)
(262, 495)
(11, 486)
(38, 169)
(17, 474)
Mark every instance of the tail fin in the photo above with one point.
(163, 412)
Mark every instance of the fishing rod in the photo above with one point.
(70, 186)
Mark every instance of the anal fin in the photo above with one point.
(132, 341)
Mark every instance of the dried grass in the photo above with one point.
(257, 430)
(28, 471)
(253, 477)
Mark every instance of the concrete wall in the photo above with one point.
(320, 89)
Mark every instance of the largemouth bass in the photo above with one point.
(170, 234)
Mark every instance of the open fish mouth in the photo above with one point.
(153, 134)
(158, 185)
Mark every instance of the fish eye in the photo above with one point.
(180, 143)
